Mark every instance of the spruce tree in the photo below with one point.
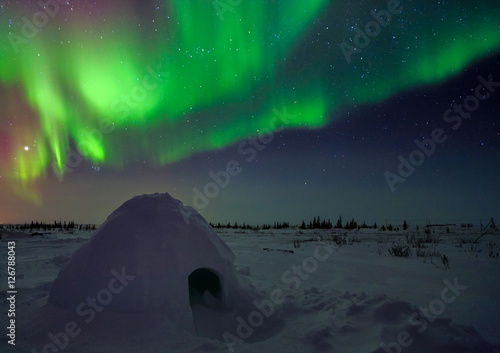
(339, 223)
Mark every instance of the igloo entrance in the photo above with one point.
(205, 288)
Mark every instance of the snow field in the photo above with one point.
(326, 295)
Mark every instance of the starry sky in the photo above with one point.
(251, 110)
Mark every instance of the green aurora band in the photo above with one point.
(195, 80)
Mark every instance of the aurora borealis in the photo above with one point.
(116, 84)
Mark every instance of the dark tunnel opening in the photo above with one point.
(200, 281)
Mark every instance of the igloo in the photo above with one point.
(151, 254)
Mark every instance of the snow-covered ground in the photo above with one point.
(318, 291)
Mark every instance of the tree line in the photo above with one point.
(315, 223)
(35, 225)
(235, 225)
(318, 223)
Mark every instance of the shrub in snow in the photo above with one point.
(400, 250)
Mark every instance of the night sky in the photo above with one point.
(251, 111)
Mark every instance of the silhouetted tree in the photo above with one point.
(339, 223)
